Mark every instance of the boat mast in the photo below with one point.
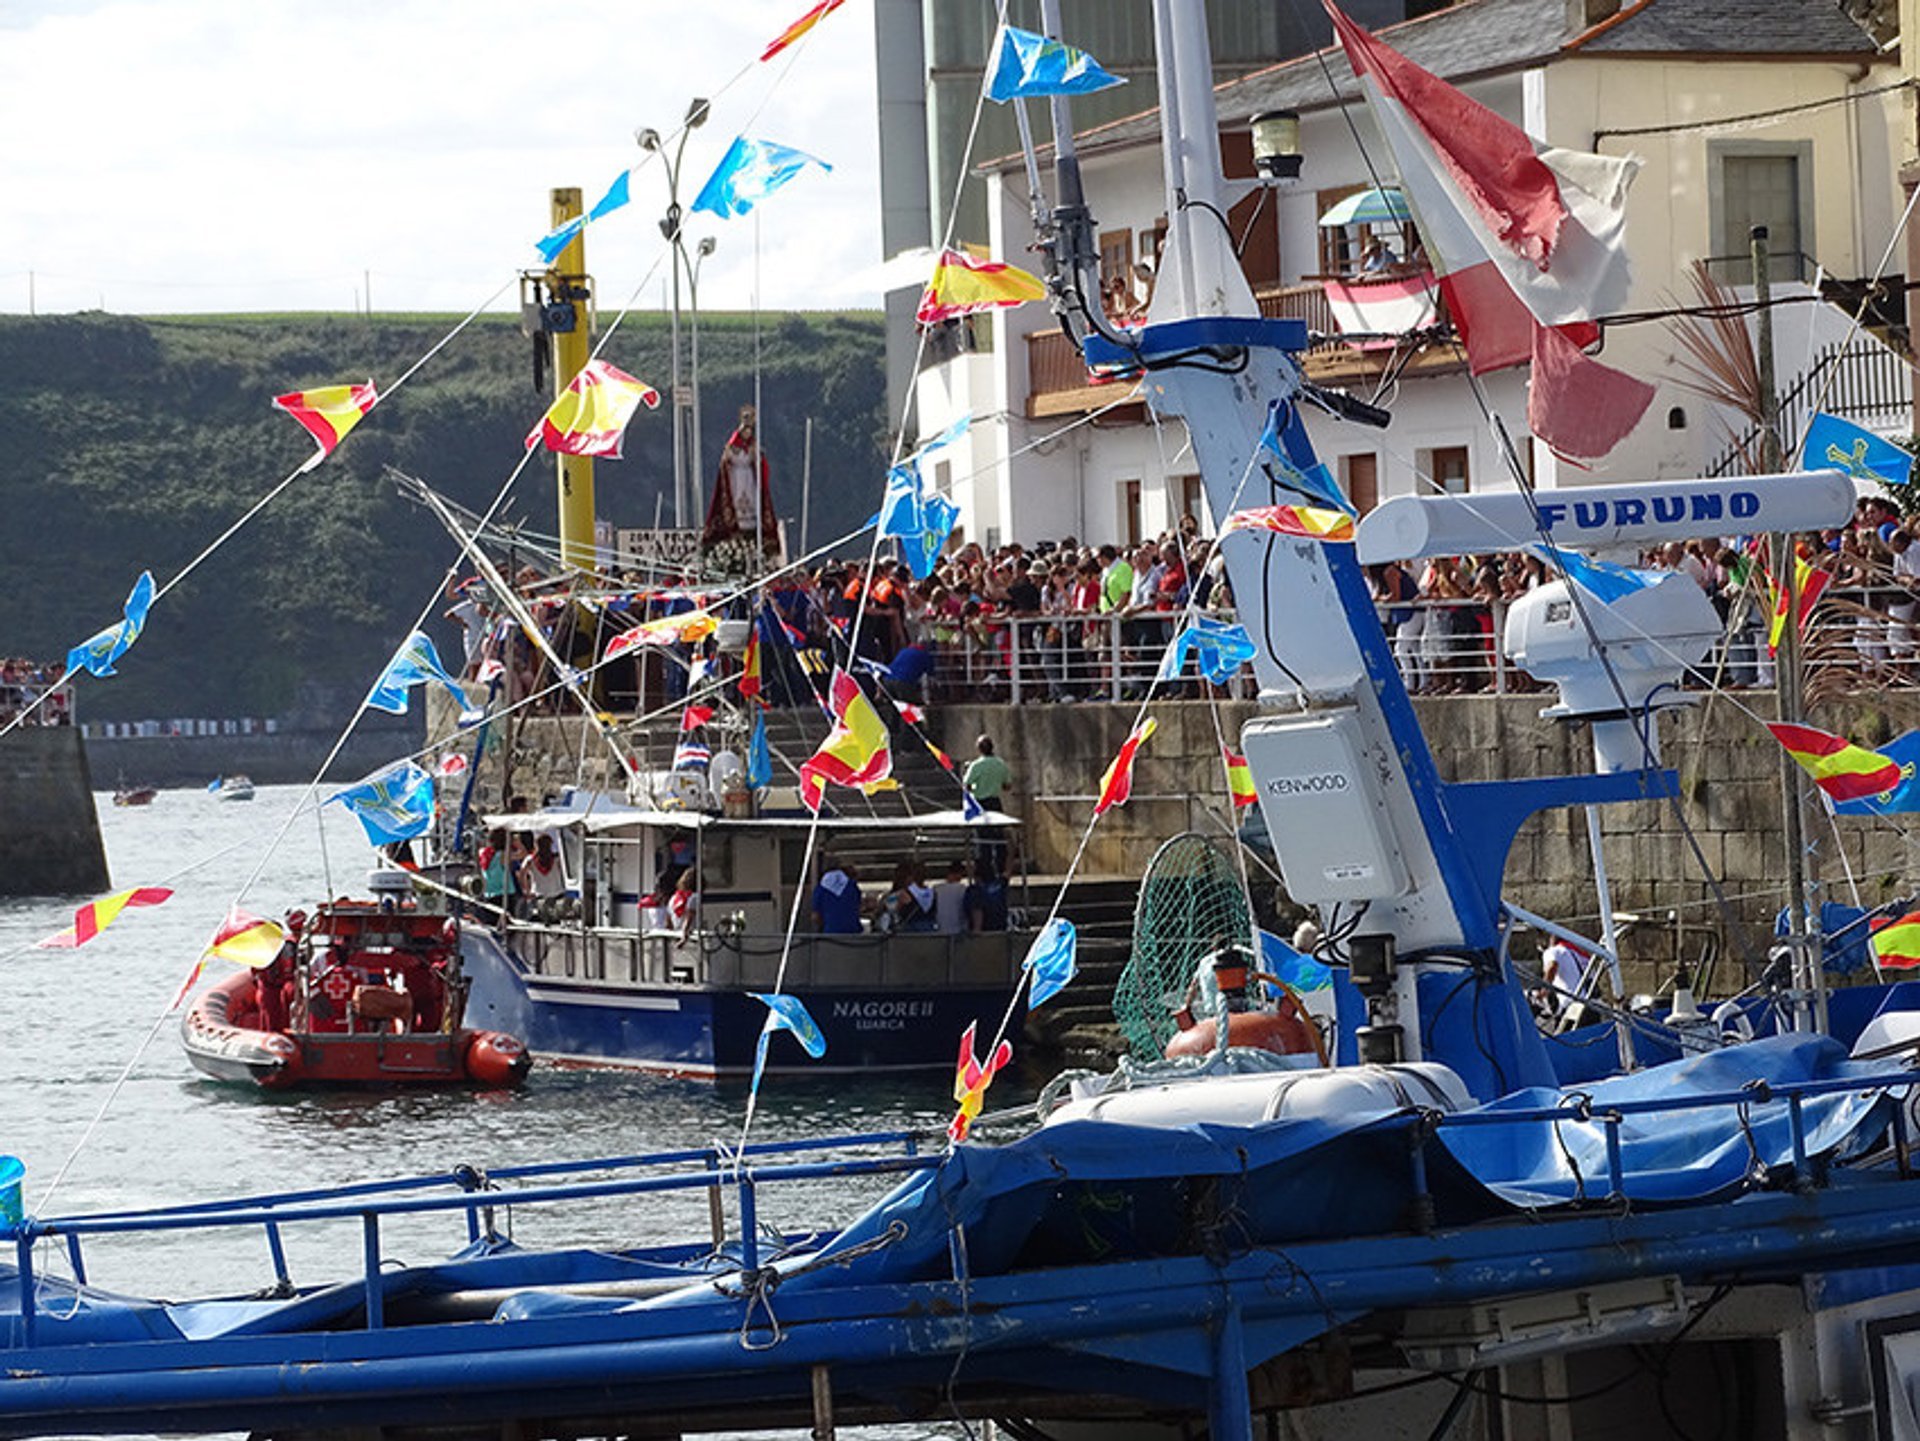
(569, 294)
(1809, 998)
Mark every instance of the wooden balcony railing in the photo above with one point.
(1058, 383)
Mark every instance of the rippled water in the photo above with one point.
(74, 1025)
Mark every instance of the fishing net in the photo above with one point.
(1189, 897)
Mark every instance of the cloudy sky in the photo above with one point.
(163, 156)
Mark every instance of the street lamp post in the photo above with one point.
(670, 226)
(705, 248)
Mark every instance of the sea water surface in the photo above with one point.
(93, 1081)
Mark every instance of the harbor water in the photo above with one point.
(93, 1080)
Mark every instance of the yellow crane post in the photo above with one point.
(568, 285)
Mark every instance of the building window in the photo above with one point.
(1753, 183)
(1117, 295)
(1446, 467)
(1193, 500)
(1339, 244)
(1130, 511)
(1360, 474)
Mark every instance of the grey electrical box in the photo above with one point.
(1323, 808)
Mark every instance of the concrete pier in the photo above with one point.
(49, 833)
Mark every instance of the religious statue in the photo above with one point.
(740, 506)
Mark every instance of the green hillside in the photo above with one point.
(130, 444)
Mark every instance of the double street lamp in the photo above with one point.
(686, 399)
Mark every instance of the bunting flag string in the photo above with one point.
(96, 655)
(1049, 964)
(1117, 784)
(328, 413)
(971, 1079)
(395, 804)
(748, 173)
(1029, 66)
(1306, 521)
(590, 416)
(1812, 582)
(415, 663)
(961, 286)
(799, 28)
(95, 916)
(1842, 770)
(784, 1013)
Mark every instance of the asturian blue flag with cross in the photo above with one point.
(395, 804)
(1836, 444)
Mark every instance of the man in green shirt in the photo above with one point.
(1116, 579)
(987, 776)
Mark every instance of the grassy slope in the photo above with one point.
(128, 444)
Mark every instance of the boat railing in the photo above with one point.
(477, 1194)
(1613, 1117)
(619, 954)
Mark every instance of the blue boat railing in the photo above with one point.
(478, 1192)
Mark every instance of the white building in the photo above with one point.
(1775, 112)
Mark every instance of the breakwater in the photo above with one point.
(49, 831)
(289, 756)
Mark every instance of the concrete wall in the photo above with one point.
(49, 834)
(1730, 797)
(288, 757)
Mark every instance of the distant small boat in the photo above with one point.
(126, 795)
(232, 788)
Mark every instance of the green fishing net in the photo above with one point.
(1190, 896)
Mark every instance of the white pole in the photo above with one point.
(806, 487)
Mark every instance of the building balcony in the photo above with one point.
(1060, 385)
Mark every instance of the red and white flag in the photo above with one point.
(1526, 239)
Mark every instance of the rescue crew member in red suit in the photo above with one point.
(273, 983)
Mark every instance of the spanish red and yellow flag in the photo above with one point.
(590, 416)
(1896, 945)
(800, 27)
(1306, 521)
(327, 414)
(1117, 784)
(246, 939)
(1239, 778)
(95, 916)
(1845, 771)
(1812, 582)
(750, 681)
(970, 1082)
(856, 751)
(962, 285)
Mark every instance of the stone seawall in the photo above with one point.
(49, 832)
(1730, 802)
(288, 757)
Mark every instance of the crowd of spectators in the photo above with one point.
(1444, 615)
(1066, 621)
(22, 682)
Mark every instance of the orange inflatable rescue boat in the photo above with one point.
(364, 994)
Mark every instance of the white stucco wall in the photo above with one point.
(1065, 478)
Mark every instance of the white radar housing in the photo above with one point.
(1637, 644)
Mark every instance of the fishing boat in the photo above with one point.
(129, 795)
(232, 788)
(365, 993)
(611, 973)
(1665, 1223)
